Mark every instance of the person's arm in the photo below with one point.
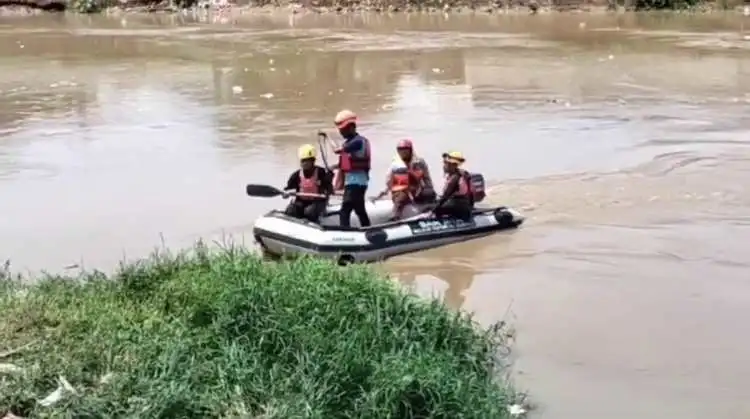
(352, 146)
(326, 180)
(292, 184)
(450, 188)
(427, 178)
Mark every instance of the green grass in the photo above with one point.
(210, 334)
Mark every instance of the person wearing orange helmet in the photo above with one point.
(457, 199)
(408, 179)
(354, 169)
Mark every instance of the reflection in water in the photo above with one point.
(450, 271)
(626, 146)
(428, 281)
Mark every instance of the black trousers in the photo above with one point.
(455, 208)
(354, 200)
(425, 198)
(308, 209)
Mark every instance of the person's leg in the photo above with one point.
(314, 210)
(454, 208)
(359, 206)
(445, 210)
(294, 209)
(400, 199)
(345, 213)
(425, 198)
(463, 210)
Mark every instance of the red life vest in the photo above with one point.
(464, 188)
(348, 162)
(309, 185)
(469, 185)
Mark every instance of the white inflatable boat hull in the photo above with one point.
(279, 235)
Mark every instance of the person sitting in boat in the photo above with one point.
(408, 180)
(457, 199)
(311, 186)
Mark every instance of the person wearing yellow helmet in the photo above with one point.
(311, 186)
(457, 200)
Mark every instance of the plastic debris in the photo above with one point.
(516, 410)
(106, 378)
(10, 369)
(63, 388)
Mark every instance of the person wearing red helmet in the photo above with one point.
(408, 180)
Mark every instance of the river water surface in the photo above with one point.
(625, 139)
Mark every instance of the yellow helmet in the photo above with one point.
(454, 157)
(307, 151)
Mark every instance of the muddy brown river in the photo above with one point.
(624, 138)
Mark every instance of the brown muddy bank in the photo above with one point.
(23, 7)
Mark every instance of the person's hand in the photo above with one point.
(337, 150)
(285, 195)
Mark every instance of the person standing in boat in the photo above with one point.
(408, 180)
(457, 200)
(354, 169)
(311, 184)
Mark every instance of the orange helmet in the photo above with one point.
(405, 143)
(345, 118)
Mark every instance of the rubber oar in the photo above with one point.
(268, 191)
(263, 191)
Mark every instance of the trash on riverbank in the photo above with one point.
(26, 7)
(224, 333)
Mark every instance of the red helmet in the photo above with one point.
(406, 143)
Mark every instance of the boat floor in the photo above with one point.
(330, 219)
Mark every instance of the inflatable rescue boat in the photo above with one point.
(279, 234)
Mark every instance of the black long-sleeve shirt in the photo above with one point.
(325, 180)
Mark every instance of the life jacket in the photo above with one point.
(355, 162)
(310, 184)
(400, 179)
(471, 185)
(464, 187)
(405, 177)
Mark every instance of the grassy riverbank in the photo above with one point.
(224, 334)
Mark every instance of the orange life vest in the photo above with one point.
(351, 162)
(309, 185)
(406, 178)
(400, 180)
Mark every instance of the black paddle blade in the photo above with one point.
(262, 191)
